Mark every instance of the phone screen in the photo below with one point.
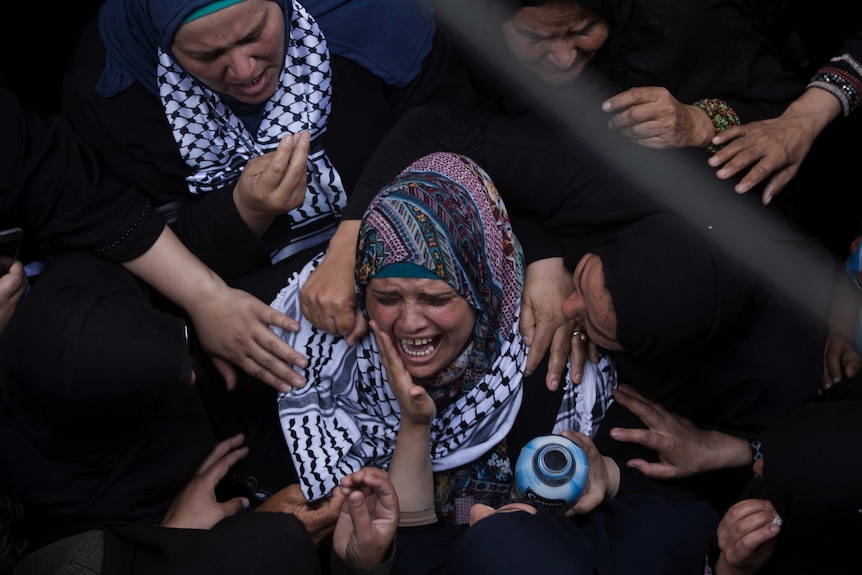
(10, 241)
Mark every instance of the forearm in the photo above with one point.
(411, 474)
(169, 267)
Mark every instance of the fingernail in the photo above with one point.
(528, 372)
(766, 200)
(578, 377)
(741, 189)
(284, 388)
(606, 106)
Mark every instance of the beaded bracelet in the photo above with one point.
(721, 114)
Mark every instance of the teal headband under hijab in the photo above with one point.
(209, 9)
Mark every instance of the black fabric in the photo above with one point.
(99, 419)
(250, 542)
(813, 482)
(52, 186)
(633, 534)
(244, 543)
(695, 49)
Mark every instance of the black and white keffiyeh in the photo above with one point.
(215, 142)
(346, 417)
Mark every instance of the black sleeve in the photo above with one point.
(51, 183)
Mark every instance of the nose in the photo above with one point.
(411, 320)
(562, 54)
(573, 308)
(242, 66)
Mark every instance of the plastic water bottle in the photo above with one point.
(551, 471)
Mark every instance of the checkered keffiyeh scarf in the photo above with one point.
(214, 141)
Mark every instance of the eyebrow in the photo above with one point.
(592, 325)
(252, 34)
(568, 32)
(427, 294)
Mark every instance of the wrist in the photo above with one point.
(721, 115)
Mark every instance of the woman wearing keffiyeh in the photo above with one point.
(439, 273)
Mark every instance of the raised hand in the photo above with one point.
(369, 518)
(683, 448)
(410, 469)
(417, 407)
(328, 297)
(746, 537)
(274, 183)
(196, 506)
(544, 328)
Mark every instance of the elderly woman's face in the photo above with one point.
(428, 321)
(238, 50)
(556, 40)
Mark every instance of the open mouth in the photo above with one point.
(421, 347)
(252, 82)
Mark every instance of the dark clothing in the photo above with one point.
(628, 534)
(99, 419)
(813, 482)
(696, 49)
(244, 543)
(52, 185)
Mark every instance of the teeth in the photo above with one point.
(252, 82)
(407, 343)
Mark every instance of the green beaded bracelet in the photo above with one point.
(721, 114)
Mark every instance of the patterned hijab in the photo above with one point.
(210, 136)
(444, 214)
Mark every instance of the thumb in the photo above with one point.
(233, 506)
(226, 370)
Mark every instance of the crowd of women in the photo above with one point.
(308, 275)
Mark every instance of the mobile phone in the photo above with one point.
(10, 242)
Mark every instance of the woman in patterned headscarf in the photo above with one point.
(439, 273)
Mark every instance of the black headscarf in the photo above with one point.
(694, 48)
(813, 476)
(701, 332)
